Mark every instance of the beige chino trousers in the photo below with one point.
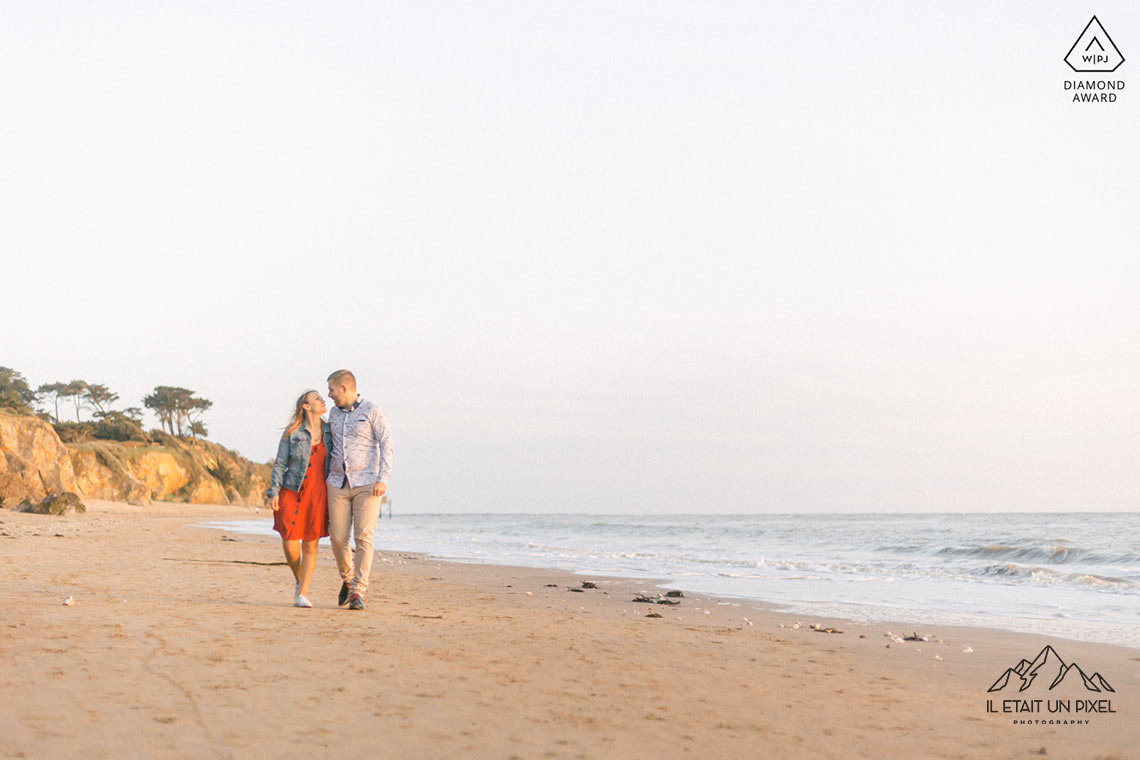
(353, 510)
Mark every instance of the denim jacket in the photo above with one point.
(293, 459)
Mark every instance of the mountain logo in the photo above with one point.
(1094, 50)
(1048, 668)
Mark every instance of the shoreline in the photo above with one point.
(850, 611)
(183, 641)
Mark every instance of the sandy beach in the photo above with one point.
(182, 642)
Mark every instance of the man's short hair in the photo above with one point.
(343, 376)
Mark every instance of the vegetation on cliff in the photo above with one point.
(174, 406)
(15, 394)
(179, 410)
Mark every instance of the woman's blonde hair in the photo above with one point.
(298, 417)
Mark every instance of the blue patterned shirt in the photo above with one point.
(361, 445)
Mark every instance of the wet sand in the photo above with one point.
(182, 642)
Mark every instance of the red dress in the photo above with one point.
(303, 515)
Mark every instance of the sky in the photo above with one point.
(596, 256)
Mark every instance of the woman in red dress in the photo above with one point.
(297, 490)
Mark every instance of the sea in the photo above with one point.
(1065, 575)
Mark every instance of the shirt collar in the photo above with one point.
(355, 404)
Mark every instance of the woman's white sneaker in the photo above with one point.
(301, 601)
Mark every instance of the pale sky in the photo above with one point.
(598, 256)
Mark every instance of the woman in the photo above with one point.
(297, 490)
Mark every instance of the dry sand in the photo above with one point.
(182, 643)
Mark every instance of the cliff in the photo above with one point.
(35, 463)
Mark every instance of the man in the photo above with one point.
(358, 477)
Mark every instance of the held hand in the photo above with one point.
(275, 502)
(378, 489)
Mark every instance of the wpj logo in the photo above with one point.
(1048, 673)
(1094, 50)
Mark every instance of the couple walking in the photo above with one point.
(328, 480)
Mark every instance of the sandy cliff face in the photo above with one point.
(107, 470)
(34, 463)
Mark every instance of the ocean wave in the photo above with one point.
(771, 577)
(1013, 570)
(902, 548)
(1056, 553)
(674, 558)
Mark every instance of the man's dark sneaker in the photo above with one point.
(342, 598)
(357, 603)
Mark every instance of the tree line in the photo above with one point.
(179, 410)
